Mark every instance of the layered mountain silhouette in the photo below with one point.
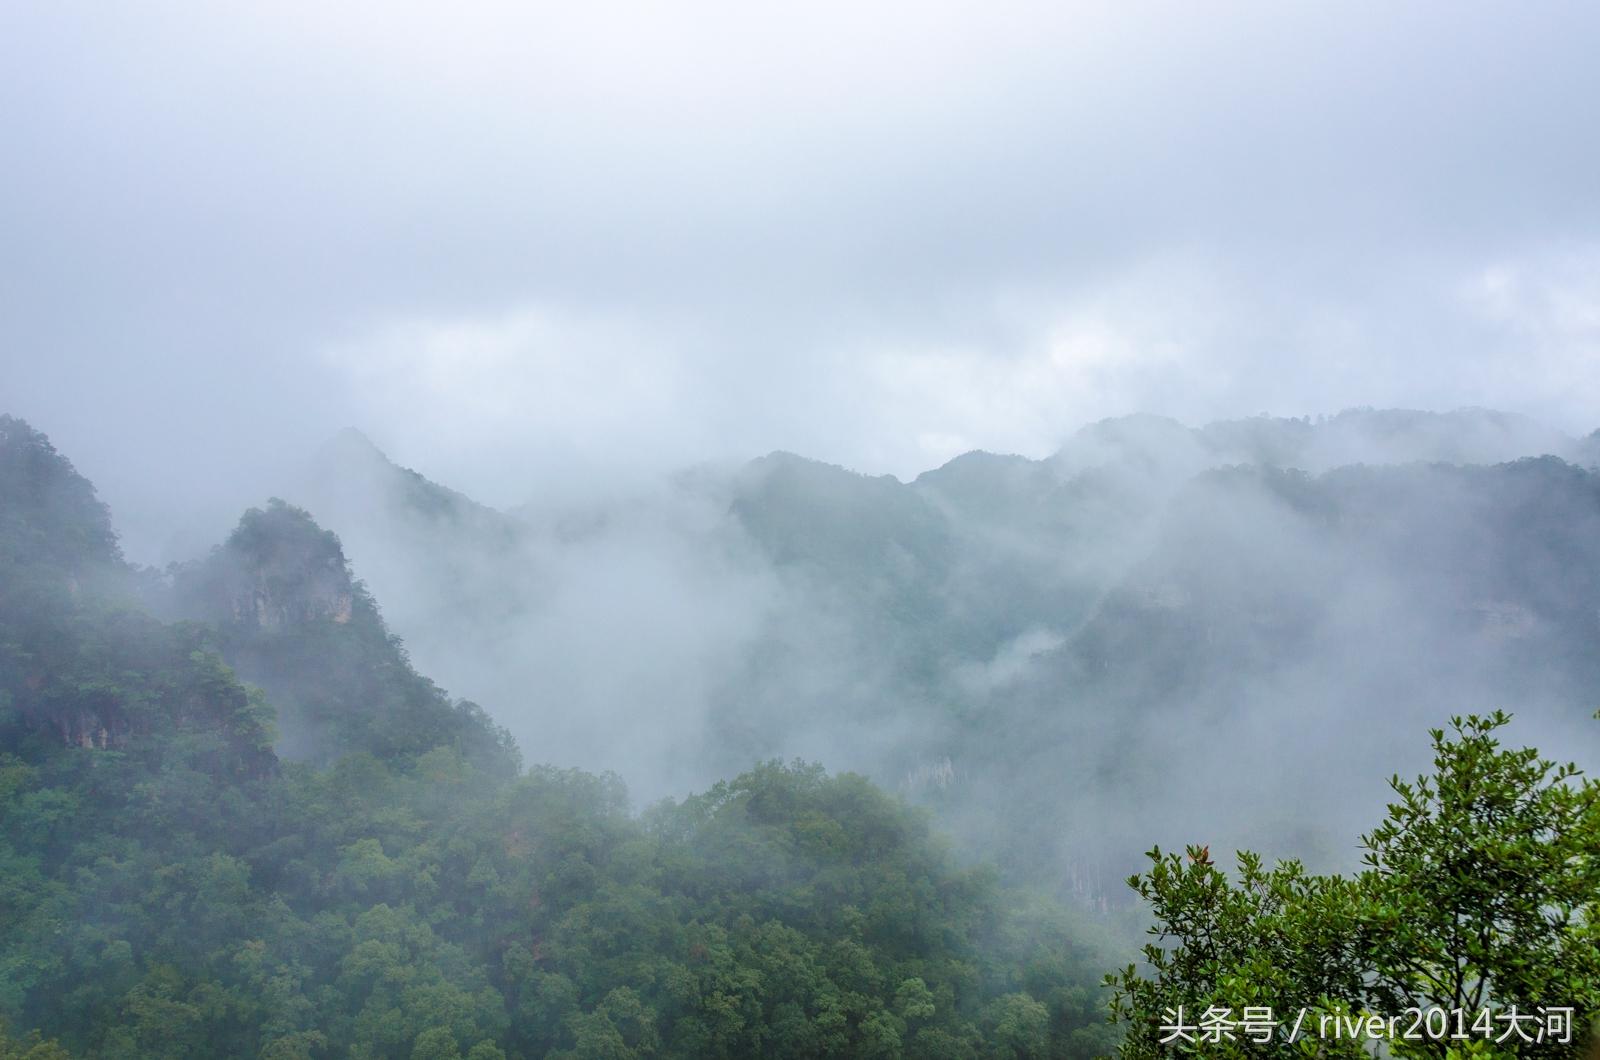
(1021, 640)
(236, 821)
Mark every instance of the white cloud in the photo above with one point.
(564, 392)
(1539, 318)
(877, 233)
(533, 384)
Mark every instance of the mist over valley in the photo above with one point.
(899, 531)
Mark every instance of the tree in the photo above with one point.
(29, 1048)
(1481, 893)
(1484, 884)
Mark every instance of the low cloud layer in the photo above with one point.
(571, 242)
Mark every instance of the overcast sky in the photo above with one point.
(529, 244)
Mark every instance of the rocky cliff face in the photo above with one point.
(103, 729)
(277, 571)
(271, 604)
(291, 619)
(81, 664)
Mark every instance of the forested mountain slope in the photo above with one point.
(173, 886)
(290, 619)
(1042, 641)
(1284, 635)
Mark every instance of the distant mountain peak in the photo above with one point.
(1352, 436)
(350, 475)
(781, 460)
(279, 570)
(47, 500)
(352, 446)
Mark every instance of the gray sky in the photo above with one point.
(528, 245)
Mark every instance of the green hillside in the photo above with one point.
(173, 885)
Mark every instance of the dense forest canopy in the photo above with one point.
(390, 882)
(235, 820)
(629, 530)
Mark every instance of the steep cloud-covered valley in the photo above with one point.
(1229, 634)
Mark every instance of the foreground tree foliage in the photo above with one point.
(173, 884)
(1482, 893)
